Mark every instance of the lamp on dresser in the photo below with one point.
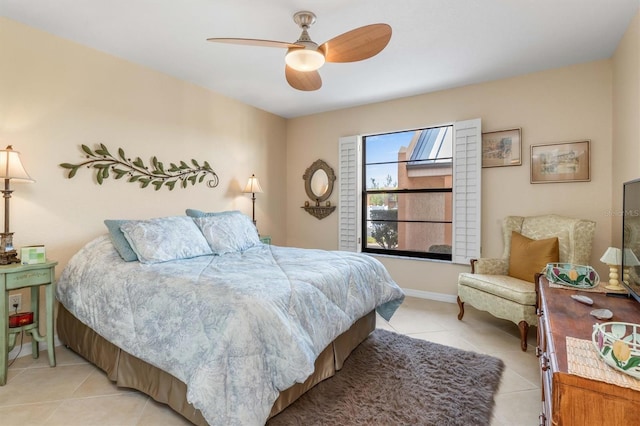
(613, 258)
(11, 168)
(630, 261)
(253, 187)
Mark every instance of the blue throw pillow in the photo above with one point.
(119, 241)
(200, 213)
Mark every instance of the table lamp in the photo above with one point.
(10, 168)
(253, 187)
(613, 258)
(630, 260)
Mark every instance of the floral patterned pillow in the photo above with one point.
(164, 239)
(229, 232)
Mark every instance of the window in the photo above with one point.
(407, 193)
(412, 193)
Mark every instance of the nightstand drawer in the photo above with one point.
(28, 278)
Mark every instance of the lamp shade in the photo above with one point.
(11, 167)
(253, 185)
(630, 258)
(613, 256)
(304, 60)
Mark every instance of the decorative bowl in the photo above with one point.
(618, 344)
(570, 275)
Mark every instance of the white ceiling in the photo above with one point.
(436, 44)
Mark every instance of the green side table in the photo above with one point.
(13, 277)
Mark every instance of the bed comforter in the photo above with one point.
(237, 328)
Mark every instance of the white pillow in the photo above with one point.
(228, 233)
(167, 238)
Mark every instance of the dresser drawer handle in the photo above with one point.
(544, 363)
(542, 419)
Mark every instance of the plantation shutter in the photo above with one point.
(349, 198)
(467, 168)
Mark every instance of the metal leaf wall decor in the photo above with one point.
(157, 174)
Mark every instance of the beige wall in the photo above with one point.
(567, 104)
(626, 119)
(56, 95)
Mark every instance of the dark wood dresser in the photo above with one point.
(568, 399)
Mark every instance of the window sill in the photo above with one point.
(420, 259)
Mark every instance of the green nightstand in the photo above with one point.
(265, 239)
(13, 277)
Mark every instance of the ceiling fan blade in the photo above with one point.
(255, 42)
(306, 81)
(356, 45)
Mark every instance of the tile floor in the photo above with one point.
(77, 393)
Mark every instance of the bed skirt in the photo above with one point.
(128, 371)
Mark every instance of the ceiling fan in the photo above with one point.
(304, 57)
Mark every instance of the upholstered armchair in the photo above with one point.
(490, 286)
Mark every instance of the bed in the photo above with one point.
(222, 328)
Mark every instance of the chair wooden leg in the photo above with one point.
(524, 329)
(461, 306)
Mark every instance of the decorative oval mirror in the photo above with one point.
(318, 181)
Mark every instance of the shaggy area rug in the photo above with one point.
(392, 379)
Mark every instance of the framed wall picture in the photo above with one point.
(502, 148)
(560, 162)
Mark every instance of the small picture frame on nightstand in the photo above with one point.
(32, 255)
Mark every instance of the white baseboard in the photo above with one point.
(25, 348)
(440, 297)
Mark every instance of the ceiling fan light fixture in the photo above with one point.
(304, 57)
(304, 60)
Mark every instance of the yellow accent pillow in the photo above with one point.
(528, 257)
